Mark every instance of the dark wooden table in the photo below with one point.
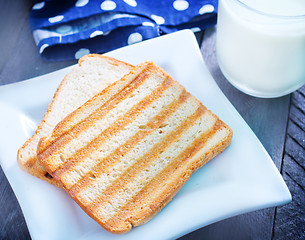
(278, 123)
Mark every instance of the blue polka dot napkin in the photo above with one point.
(70, 29)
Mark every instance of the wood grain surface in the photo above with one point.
(279, 124)
(290, 219)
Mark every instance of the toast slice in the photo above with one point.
(93, 73)
(126, 152)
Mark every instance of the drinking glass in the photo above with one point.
(261, 47)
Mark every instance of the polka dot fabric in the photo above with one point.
(69, 29)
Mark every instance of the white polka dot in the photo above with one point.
(63, 29)
(38, 6)
(132, 3)
(108, 5)
(107, 33)
(148, 24)
(134, 38)
(42, 48)
(195, 29)
(180, 5)
(81, 3)
(96, 33)
(159, 20)
(56, 19)
(81, 52)
(208, 8)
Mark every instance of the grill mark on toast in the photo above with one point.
(101, 98)
(133, 211)
(30, 162)
(115, 69)
(90, 148)
(202, 125)
(144, 146)
(146, 160)
(45, 155)
(122, 150)
(136, 81)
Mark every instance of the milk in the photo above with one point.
(278, 7)
(261, 45)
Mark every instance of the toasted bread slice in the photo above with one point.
(125, 153)
(93, 73)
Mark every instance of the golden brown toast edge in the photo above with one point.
(32, 165)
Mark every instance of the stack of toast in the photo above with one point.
(126, 140)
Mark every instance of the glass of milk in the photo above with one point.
(261, 45)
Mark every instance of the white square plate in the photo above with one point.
(243, 178)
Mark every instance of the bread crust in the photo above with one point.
(30, 164)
